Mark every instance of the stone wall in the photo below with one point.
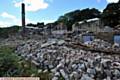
(107, 36)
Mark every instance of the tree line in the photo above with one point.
(110, 15)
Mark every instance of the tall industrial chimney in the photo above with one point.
(23, 17)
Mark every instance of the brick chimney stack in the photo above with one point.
(23, 17)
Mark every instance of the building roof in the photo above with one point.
(31, 27)
(94, 19)
(89, 20)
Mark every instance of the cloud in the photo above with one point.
(32, 5)
(11, 20)
(112, 1)
(4, 24)
(109, 1)
(7, 15)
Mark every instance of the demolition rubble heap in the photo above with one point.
(103, 46)
(61, 60)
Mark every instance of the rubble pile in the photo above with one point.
(102, 45)
(71, 64)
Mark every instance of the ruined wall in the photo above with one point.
(107, 36)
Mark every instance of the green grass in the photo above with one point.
(5, 32)
(12, 65)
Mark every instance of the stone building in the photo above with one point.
(59, 30)
(91, 25)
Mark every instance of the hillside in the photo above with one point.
(5, 32)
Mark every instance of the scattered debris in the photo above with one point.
(71, 63)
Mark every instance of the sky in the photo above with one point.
(43, 10)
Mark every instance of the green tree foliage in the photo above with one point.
(78, 15)
(111, 14)
(40, 25)
(31, 24)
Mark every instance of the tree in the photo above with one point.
(111, 15)
(40, 25)
(78, 15)
(31, 24)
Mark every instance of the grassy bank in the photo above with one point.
(5, 32)
(12, 65)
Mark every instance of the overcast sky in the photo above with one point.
(43, 10)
